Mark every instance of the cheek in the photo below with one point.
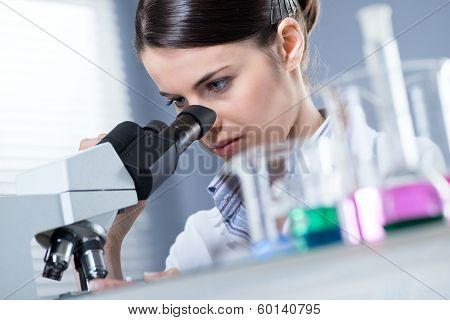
(264, 104)
(248, 103)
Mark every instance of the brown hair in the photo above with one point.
(200, 23)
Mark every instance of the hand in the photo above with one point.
(104, 284)
(125, 220)
(150, 276)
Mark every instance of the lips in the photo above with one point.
(224, 143)
(227, 147)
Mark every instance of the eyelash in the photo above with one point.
(209, 86)
(170, 102)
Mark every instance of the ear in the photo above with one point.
(290, 42)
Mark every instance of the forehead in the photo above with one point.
(166, 65)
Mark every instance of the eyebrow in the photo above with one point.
(205, 78)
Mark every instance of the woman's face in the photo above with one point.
(251, 96)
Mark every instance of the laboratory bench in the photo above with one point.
(412, 263)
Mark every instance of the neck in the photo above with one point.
(308, 121)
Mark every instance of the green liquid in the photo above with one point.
(314, 227)
(305, 221)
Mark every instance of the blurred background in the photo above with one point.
(68, 71)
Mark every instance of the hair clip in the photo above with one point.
(281, 9)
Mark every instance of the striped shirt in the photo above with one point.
(226, 192)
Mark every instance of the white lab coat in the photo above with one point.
(206, 240)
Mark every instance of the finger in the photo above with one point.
(101, 136)
(88, 143)
(103, 284)
(173, 272)
(151, 276)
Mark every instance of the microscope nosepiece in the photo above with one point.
(84, 242)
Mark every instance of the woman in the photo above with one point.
(245, 60)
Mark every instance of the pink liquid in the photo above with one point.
(366, 213)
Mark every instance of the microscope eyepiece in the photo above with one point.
(155, 126)
(150, 154)
(203, 116)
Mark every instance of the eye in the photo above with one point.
(219, 85)
(179, 102)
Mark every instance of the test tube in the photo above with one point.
(385, 70)
(245, 170)
(360, 207)
(444, 95)
(264, 173)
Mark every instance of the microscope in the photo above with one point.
(68, 205)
